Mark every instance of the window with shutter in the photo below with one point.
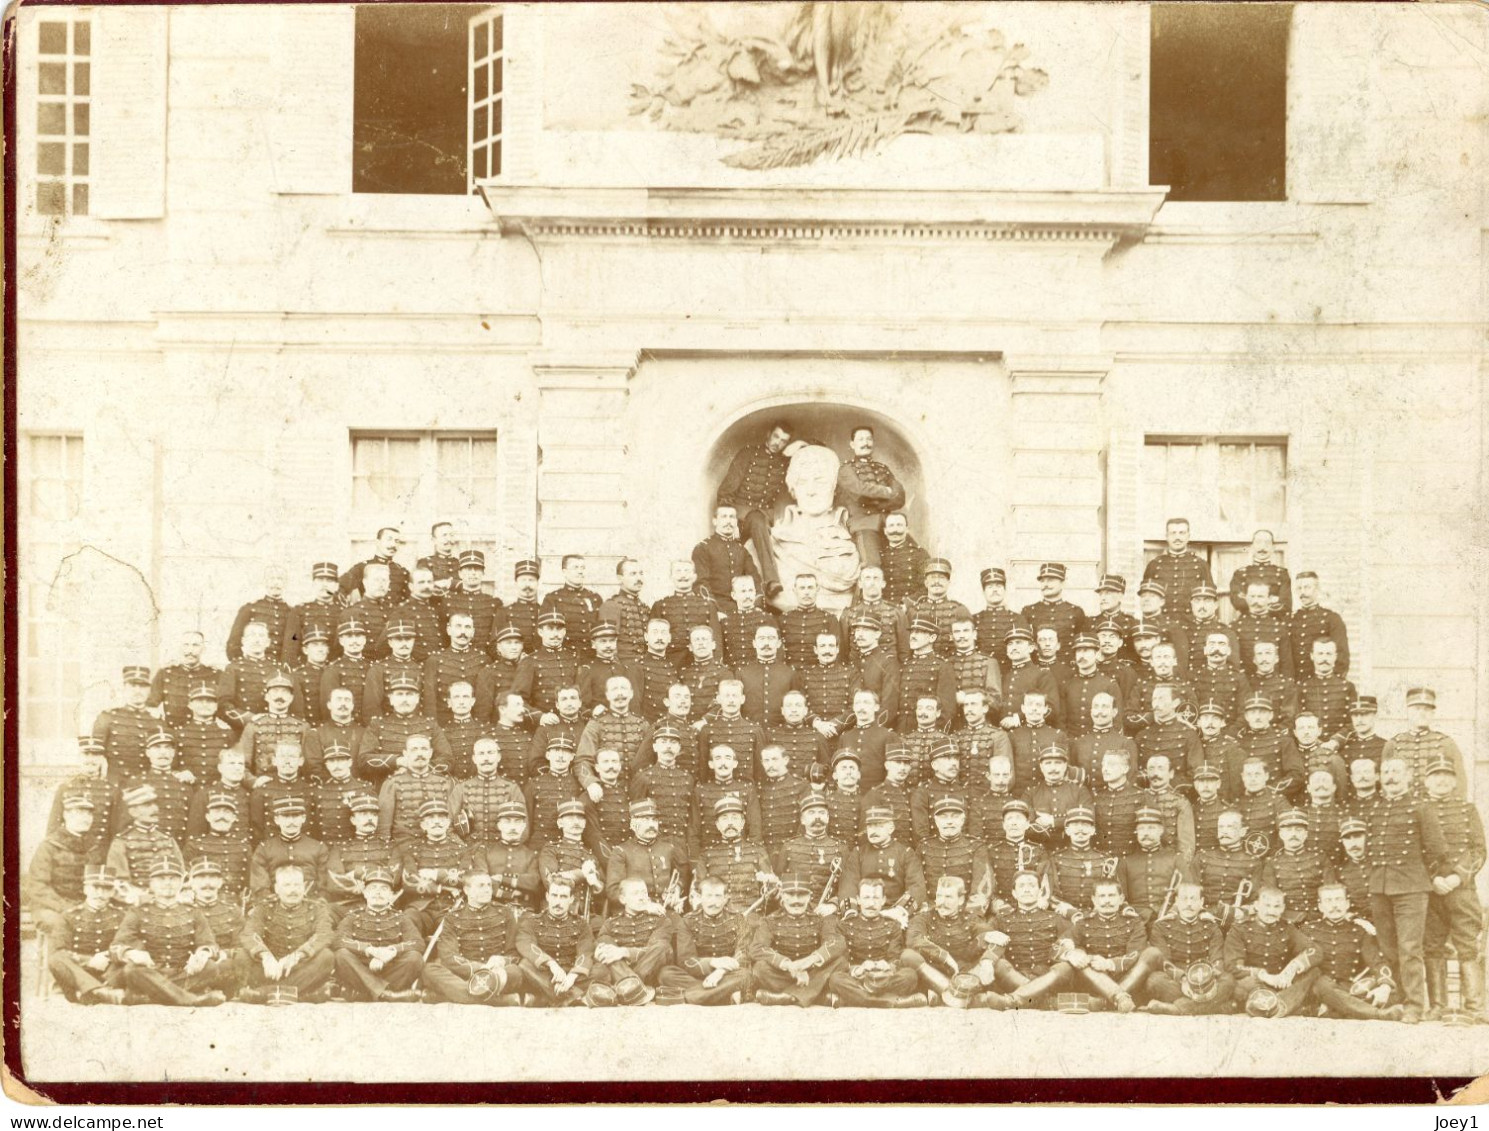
(64, 104)
(484, 140)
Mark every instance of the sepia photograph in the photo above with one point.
(675, 552)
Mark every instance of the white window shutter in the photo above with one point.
(1331, 135)
(313, 49)
(129, 65)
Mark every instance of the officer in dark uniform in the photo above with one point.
(171, 687)
(1453, 911)
(1327, 694)
(1150, 872)
(444, 564)
(1228, 873)
(172, 795)
(135, 850)
(348, 861)
(79, 959)
(1362, 741)
(1262, 568)
(378, 952)
(522, 611)
(557, 948)
(227, 970)
(376, 609)
(795, 951)
(1023, 677)
(476, 799)
(1052, 610)
(541, 675)
(388, 540)
(286, 844)
(270, 610)
(739, 621)
(816, 856)
(1074, 868)
(1036, 958)
(1087, 682)
(1297, 868)
(996, 619)
(753, 485)
(434, 863)
(163, 944)
(54, 882)
(308, 676)
(579, 606)
(470, 598)
(627, 611)
(241, 687)
(569, 856)
(1353, 979)
(122, 730)
(1260, 624)
(1110, 591)
(935, 606)
(225, 843)
(477, 950)
(902, 559)
(952, 851)
(288, 938)
(648, 857)
(1310, 621)
(711, 947)
(894, 627)
(1178, 569)
(322, 612)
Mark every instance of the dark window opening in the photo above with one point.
(409, 108)
(1217, 125)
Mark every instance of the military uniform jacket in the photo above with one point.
(703, 678)
(718, 560)
(380, 675)
(1056, 800)
(123, 731)
(493, 680)
(561, 856)
(674, 791)
(803, 746)
(811, 859)
(1355, 876)
(382, 745)
(629, 734)
(829, 691)
(277, 929)
(374, 613)
(736, 863)
(1089, 749)
(1273, 574)
(879, 939)
(1226, 685)
(895, 863)
(542, 938)
(55, 881)
(869, 490)
(1323, 829)
(1254, 945)
(755, 481)
(262, 733)
(878, 671)
(1116, 818)
(903, 568)
(653, 863)
(781, 938)
(1463, 834)
(1026, 677)
(356, 857)
(1421, 748)
(894, 638)
(1008, 858)
(1354, 747)
(226, 919)
(1328, 698)
(229, 851)
(1076, 696)
(1175, 738)
(843, 810)
(635, 933)
(444, 567)
(134, 851)
(993, 624)
(444, 668)
(271, 612)
(926, 674)
(1260, 811)
(197, 747)
(398, 578)
(428, 619)
(363, 930)
(168, 934)
(1220, 872)
(594, 675)
(580, 608)
(685, 612)
(1179, 574)
(545, 792)
(312, 614)
(777, 801)
(449, 858)
(240, 690)
(401, 797)
(1345, 949)
(943, 612)
(709, 794)
(976, 745)
(1405, 847)
(1310, 622)
(656, 673)
(700, 938)
(1145, 877)
(629, 613)
(1199, 632)
(171, 686)
(799, 631)
(1282, 690)
(88, 931)
(108, 810)
(461, 734)
(482, 608)
(543, 674)
(1227, 755)
(1074, 871)
(962, 857)
(869, 743)
(474, 934)
(1034, 938)
(1140, 700)
(276, 851)
(964, 936)
(513, 869)
(922, 797)
(1120, 937)
(1271, 629)
(765, 686)
(1284, 767)
(523, 616)
(330, 807)
(1062, 670)
(1185, 942)
(1178, 818)
(477, 799)
(609, 820)
(261, 801)
(1068, 620)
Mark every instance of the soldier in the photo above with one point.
(1024, 678)
(1273, 746)
(398, 664)
(269, 610)
(777, 791)
(172, 795)
(54, 882)
(712, 964)
(541, 675)
(567, 723)
(996, 619)
(163, 944)
(1085, 684)
(287, 782)
(231, 780)
(1260, 624)
(1104, 737)
(704, 672)
(1150, 873)
(287, 845)
(668, 785)
(1111, 637)
(1362, 741)
(1270, 959)
(609, 818)
(1312, 621)
(986, 798)
(1264, 569)
(887, 860)
(1364, 782)
(386, 738)
(80, 936)
(545, 792)
(936, 608)
(476, 799)
(615, 727)
(1267, 681)
(595, 676)
(949, 939)
(1453, 910)
(569, 857)
(94, 784)
(122, 730)
(227, 970)
(1220, 754)
(1074, 868)
(1191, 946)
(944, 780)
(873, 973)
(1047, 655)
(828, 686)
(723, 763)
(978, 739)
(893, 626)
(722, 557)
(654, 669)
(1013, 854)
(1354, 866)
(816, 856)
(902, 559)
(377, 607)
(477, 950)
(1327, 694)
(753, 485)
(631, 949)
(795, 951)
(1421, 746)
(1315, 755)
(348, 862)
(1228, 873)
(734, 856)
(386, 544)
(288, 937)
(1035, 959)
(951, 851)
(202, 736)
(766, 679)
(1052, 610)
(443, 564)
(243, 686)
(135, 850)
(926, 672)
(1217, 679)
(805, 748)
(974, 671)
(877, 670)
(866, 738)
(577, 604)
(377, 950)
(522, 611)
(1178, 815)
(1297, 868)
(1324, 814)
(223, 843)
(403, 795)
(804, 623)
(1204, 606)
(1353, 981)
(646, 856)
(869, 491)
(557, 948)
(496, 678)
(843, 796)
(468, 597)
(1116, 805)
(264, 731)
(1110, 951)
(461, 662)
(170, 689)
(425, 612)
(1260, 805)
(1178, 569)
(462, 728)
(433, 864)
(323, 611)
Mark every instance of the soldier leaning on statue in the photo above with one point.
(853, 795)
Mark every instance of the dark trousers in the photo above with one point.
(358, 981)
(852, 992)
(538, 983)
(74, 979)
(227, 972)
(647, 966)
(164, 987)
(1292, 998)
(694, 992)
(1400, 926)
(1163, 986)
(1337, 999)
(768, 977)
(1031, 986)
(868, 543)
(1111, 985)
(308, 974)
(452, 987)
(1457, 918)
(754, 528)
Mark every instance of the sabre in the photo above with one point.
(1173, 889)
(434, 938)
(767, 893)
(672, 897)
(1243, 889)
(832, 878)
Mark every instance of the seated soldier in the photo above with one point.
(1150, 873)
(711, 952)
(893, 793)
(949, 939)
(1353, 981)
(873, 972)
(136, 849)
(1296, 868)
(1075, 867)
(378, 951)
(54, 882)
(163, 944)
(795, 951)
(886, 858)
(227, 970)
(570, 857)
(1190, 946)
(432, 867)
(288, 938)
(630, 951)
(1034, 962)
(288, 782)
(510, 862)
(79, 959)
(476, 961)
(1055, 794)
(557, 949)
(547, 790)
(952, 852)
(670, 787)
(348, 863)
(1271, 960)
(1111, 943)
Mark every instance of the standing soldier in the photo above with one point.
(477, 950)
(79, 960)
(241, 687)
(1172, 806)
(1312, 621)
(1453, 911)
(1104, 737)
(1420, 746)
(1178, 569)
(753, 485)
(1268, 681)
(403, 795)
(711, 952)
(1262, 568)
(1084, 685)
(802, 624)
(163, 945)
(887, 859)
(1260, 624)
(925, 673)
(1297, 868)
(816, 857)
(996, 619)
(934, 606)
(522, 611)
(890, 617)
(828, 686)
(557, 948)
(1272, 745)
(655, 669)
(122, 730)
(425, 612)
(1191, 946)
(1354, 865)
(1052, 610)
(94, 784)
(974, 671)
(171, 688)
(1109, 593)
(1172, 628)
(878, 669)
(766, 679)
(386, 545)
(578, 605)
(740, 621)
(288, 939)
(308, 676)
(1204, 607)
(269, 610)
(902, 559)
(376, 948)
(287, 844)
(265, 730)
(627, 611)
(615, 727)
(1024, 678)
(443, 564)
(1117, 803)
(202, 736)
(286, 781)
(795, 951)
(461, 662)
(225, 843)
(171, 794)
(1327, 694)
(1216, 679)
(385, 739)
(323, 611)
(545, 792)
(376, 608)
(541, 675)
(721, 557)
(1362, 741)
(231, 779)
(603, 666)
(470, 598)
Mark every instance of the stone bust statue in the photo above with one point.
(812, 535)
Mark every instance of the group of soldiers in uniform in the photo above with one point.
(406, 789)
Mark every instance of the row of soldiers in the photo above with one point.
(1397, 846)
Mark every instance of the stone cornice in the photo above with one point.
(822, 216)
